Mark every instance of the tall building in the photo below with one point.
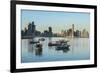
(63, 33)
(72, 30)
(50, 31)
(69, 33)
(77, 34)
(45, 34)
(31, 29)
(85, 34)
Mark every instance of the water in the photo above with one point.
(79, 50)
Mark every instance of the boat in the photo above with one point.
(62, 47)
(53, 44)
(41, 39)
(57, 43)
(62, 41)
(34, 42)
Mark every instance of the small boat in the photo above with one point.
(53, 44)
(57, 43)
(42, 39)
(62, 41)
(62, 46)
(34, 42)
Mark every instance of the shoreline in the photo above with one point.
(30, 37)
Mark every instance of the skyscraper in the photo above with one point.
(85, 34)
(72, 30)
(50, 32)
(31, 29)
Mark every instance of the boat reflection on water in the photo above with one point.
(37, 46)
(34, 47)
(42, 39)
(76, 49)
(63, 47)
(60, 45)
(30, 46)
(65, 50)
(38, 50)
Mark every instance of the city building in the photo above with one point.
(31, 29)
(72, 30)
(63, 33)
(77, 34)
(50, 32)
(84, 34)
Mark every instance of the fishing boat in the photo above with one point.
(41, 39)
(57, 43)
(62, 41)
(52, 44)
(62, 46)
(34, 42)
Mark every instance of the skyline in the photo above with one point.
(58, 20)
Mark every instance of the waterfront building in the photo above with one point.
(72, 30)
(63, 33)
(69, 32)
(77, 33)
(85, 34)
(31, 29)
(50, 32)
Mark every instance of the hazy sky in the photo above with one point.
(57, 20)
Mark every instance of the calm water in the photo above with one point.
(79, 50)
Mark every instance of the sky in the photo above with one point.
(57, 20)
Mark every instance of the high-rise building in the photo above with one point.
(77, 33)
(31, 29)
(63, 33)
(50, 31)
(85, 34)
(72, 30)
(69, 33)
(45, 34)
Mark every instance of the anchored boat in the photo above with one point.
(57, 43)
(62, 46)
